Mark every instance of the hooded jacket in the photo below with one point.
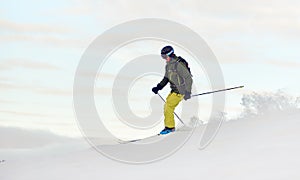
(179, 77)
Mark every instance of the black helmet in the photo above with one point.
(167, 50)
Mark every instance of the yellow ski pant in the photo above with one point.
(172, 101)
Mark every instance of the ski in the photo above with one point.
(137, 140)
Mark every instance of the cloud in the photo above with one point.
(215, 15)
(55, 92)
(4, 78)
(213, 20)
(12, 137)
(11, 63)
(98, 75)
(32, 28)
(22, 113)
(6, 101)
(103, 91)
(77, 10)
(287, 64)
(45, 40)
(105, 76)
(45, 91)
(232, 52)
(5, 86)
(52, 91)
(219, 22)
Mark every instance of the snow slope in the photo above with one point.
(260, 148)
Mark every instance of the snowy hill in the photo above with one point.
(265, 147)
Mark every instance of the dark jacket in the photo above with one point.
(179, 77)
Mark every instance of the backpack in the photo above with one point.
(183, 62)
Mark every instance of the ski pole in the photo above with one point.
(174, 112)
(217, 91)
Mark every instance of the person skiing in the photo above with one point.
(178, 74)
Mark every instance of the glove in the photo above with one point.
(156, 89)
(187, 96)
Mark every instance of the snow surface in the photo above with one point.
(264, 147)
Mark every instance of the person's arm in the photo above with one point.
(186, 75)
(162, 84)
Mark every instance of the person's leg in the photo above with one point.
(172, 101)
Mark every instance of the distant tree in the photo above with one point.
(262, 103)
(195, 121)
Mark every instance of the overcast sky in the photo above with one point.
(256, 43)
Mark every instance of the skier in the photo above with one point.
(178, 74)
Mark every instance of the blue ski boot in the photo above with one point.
(167, 131)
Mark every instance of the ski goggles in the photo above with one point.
(166, 55)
